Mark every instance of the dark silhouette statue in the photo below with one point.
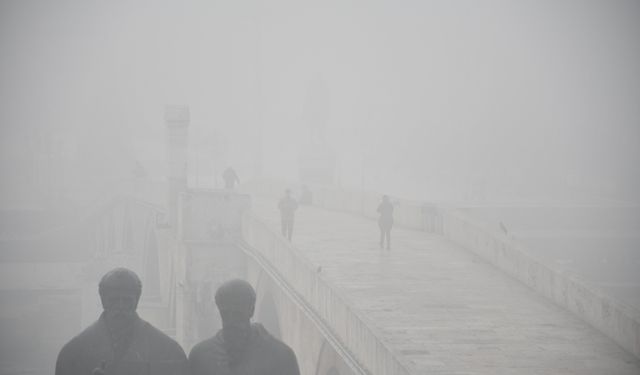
(120, 342)
(241, 347)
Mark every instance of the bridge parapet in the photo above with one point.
(612, 317)
(210, 215)
(409, 214)
(355, 333)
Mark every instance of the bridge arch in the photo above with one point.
(330, 363)
(284, 318)
(266, 308)
(269, 316)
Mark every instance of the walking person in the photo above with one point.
(385, 222)
(288, 206)
(230, 178)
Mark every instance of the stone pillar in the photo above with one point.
(176, 118)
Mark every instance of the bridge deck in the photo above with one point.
(443, 309)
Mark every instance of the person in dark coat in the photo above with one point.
(230, 178)
(241, 347)
(287, 206)
(385, 222)
(120, 342)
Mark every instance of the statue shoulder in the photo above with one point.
(275, 346)
(161, 344)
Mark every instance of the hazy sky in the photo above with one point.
(426, 95)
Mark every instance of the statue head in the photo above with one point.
(120, 291)
(236, 300)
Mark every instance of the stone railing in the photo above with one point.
(612, 317)
(355, 333)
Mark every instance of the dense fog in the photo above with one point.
(525, 114)
(431, 100)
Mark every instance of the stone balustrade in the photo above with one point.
(612, 317)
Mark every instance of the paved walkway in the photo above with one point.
(443, 309)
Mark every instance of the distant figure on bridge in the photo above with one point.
(230, 178)
(288, 207)
(385, 222)
(120, 342)
(241, 347)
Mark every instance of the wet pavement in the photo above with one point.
(444, 310)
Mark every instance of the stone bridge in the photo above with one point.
(451, 296)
